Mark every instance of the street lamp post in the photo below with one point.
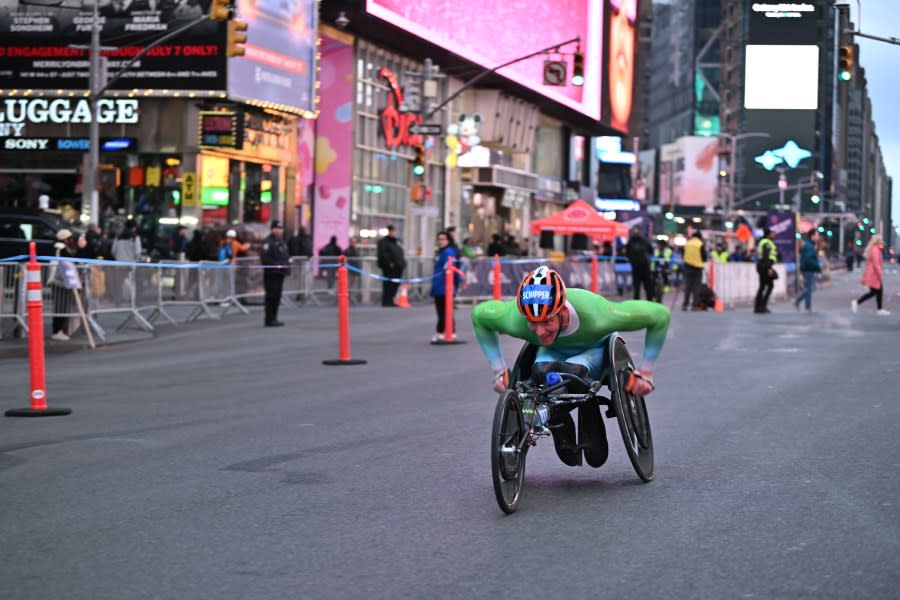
(733, 140)
(89, 183)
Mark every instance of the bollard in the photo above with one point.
(595, 279)
(449, 276)
(498, 278)
(343, 298)
(718, 305)
(35, 305)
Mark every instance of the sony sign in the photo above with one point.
(17, 111)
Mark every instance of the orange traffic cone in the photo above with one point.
(719, 306)
(403, 298)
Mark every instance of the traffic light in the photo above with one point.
(578, 68)
(221, 10)
(846, 62)
(236, 39)
(815, 197)
(418, 166)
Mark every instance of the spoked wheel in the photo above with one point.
(507, 461)
(631, 411)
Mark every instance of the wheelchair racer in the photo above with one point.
(569, 328)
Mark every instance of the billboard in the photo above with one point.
(38, 39)
(688, 172)
(620, 45)
(493, 33)
(790, 146)
(279, 64)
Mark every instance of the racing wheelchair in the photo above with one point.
(524, 414)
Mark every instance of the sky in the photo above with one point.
(880, 60)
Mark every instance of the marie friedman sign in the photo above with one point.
(37, 46)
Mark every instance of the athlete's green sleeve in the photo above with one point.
(634, 315)
(492, 318)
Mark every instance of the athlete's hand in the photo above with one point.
(501, 380)
(640, 383)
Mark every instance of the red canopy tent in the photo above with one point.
(581, 217)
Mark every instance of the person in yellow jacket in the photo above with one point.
(694, 260)
(765, 268)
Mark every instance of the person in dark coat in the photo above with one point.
(301, 243)
(329, 253)
(392, 263)
(638, 251)
(277, 262)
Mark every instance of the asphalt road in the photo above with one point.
(222, 460)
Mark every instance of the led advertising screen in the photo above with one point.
(781, 77)
(784, 23)
(620, 46)
(493, 33)
(39, 39)
(279, 65)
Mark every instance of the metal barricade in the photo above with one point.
(12, 298)
(297, 283)
(60, 304)
(178, 284)
(111, 289)
(248, 279)
(217, 286)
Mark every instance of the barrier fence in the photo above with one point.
(142, 293)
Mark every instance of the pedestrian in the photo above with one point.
(662, 264)
(392, 263)
(496, 246)
(873, 275)
(694, 260)
(63, 298)
(331, 249)
(178, 243)
(809, 268)
(849, 256)
(300, 244)
(738, 255)
(720, 254)
(767, 256)
(127, 247)
(231, 247)
(638, 251)
(446, 249)
(276, 265)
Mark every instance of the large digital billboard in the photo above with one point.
(620, 47)
(279, 65)
(43, 45)
(493, 33)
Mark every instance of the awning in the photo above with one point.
(580, 217)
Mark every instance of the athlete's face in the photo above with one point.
(546, 331)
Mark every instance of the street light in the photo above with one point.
(733, 140)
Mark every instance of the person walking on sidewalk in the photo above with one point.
(638, 251)
(277, 264)
(873, 276)
(809, 268)
(765, 268)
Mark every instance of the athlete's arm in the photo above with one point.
(634, 315)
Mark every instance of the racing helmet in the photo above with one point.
(541, 294)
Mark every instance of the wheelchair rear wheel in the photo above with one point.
(631, 411)
(507, 460)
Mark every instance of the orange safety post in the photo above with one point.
(595, 279)
(343, 298)
(35, 305)
(449, 278)
(403, 298)
(498, 278)
(718, 306)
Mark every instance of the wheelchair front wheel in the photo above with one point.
(508, 452)
(631, 411)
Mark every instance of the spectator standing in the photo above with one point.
(231, 247)
(694, 260)
(300, 244)
(638, 252)
(331, 249)
(63, 298)
(446, 249)
(662, 264)
(765, 268)
(496, 247)
(873, 276)
(178, 243)
(809, 267)
(277, 264)
(392, 263)
(738, 255)
(720, 254)
(511, 246)
(127, 247)
(196, 248)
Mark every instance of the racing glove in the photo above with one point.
(640, 382)
(501, 380)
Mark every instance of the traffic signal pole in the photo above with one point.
(97, 89)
